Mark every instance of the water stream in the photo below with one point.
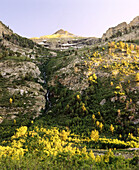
(47, 94)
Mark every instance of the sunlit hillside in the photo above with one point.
(59, 34)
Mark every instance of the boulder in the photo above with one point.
(103, 102)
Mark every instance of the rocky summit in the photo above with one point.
(62, 32)
(123, 31)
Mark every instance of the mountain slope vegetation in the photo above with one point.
(70, 109)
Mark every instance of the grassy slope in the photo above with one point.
(66, 111)
(61, 97)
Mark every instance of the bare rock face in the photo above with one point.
(122, 31)
(53, 54)
(111, 31)
(4, 29)
(21, 80)
(18, 70)
(16, 48)
(134, 22)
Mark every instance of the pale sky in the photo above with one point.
(35, 18)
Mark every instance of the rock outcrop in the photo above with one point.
(4, 29)
(18, 70)
(22, 85)
(123, 29)
(112, 31)
(134, 22)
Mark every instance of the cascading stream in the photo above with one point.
(47, 94)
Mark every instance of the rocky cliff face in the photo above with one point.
(123, 29)
(112, 31)
(4, 29)
(134, 22)
(20, 81)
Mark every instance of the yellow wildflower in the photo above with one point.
(94, 135)
(97, 123)
(83, 107)
(14, 121)
(93, 116)
(120, 136)
(78, 97)
(112, 128)
(94, 76)
(91, 154)
(11, 100)
(101, 126)
(111, 83)
(137, 77)
(117, 87)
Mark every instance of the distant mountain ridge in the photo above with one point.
(121, 32)
(64, 39)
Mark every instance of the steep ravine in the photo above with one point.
(47, 106)
(44, 76)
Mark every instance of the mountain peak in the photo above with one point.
(63, 32)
